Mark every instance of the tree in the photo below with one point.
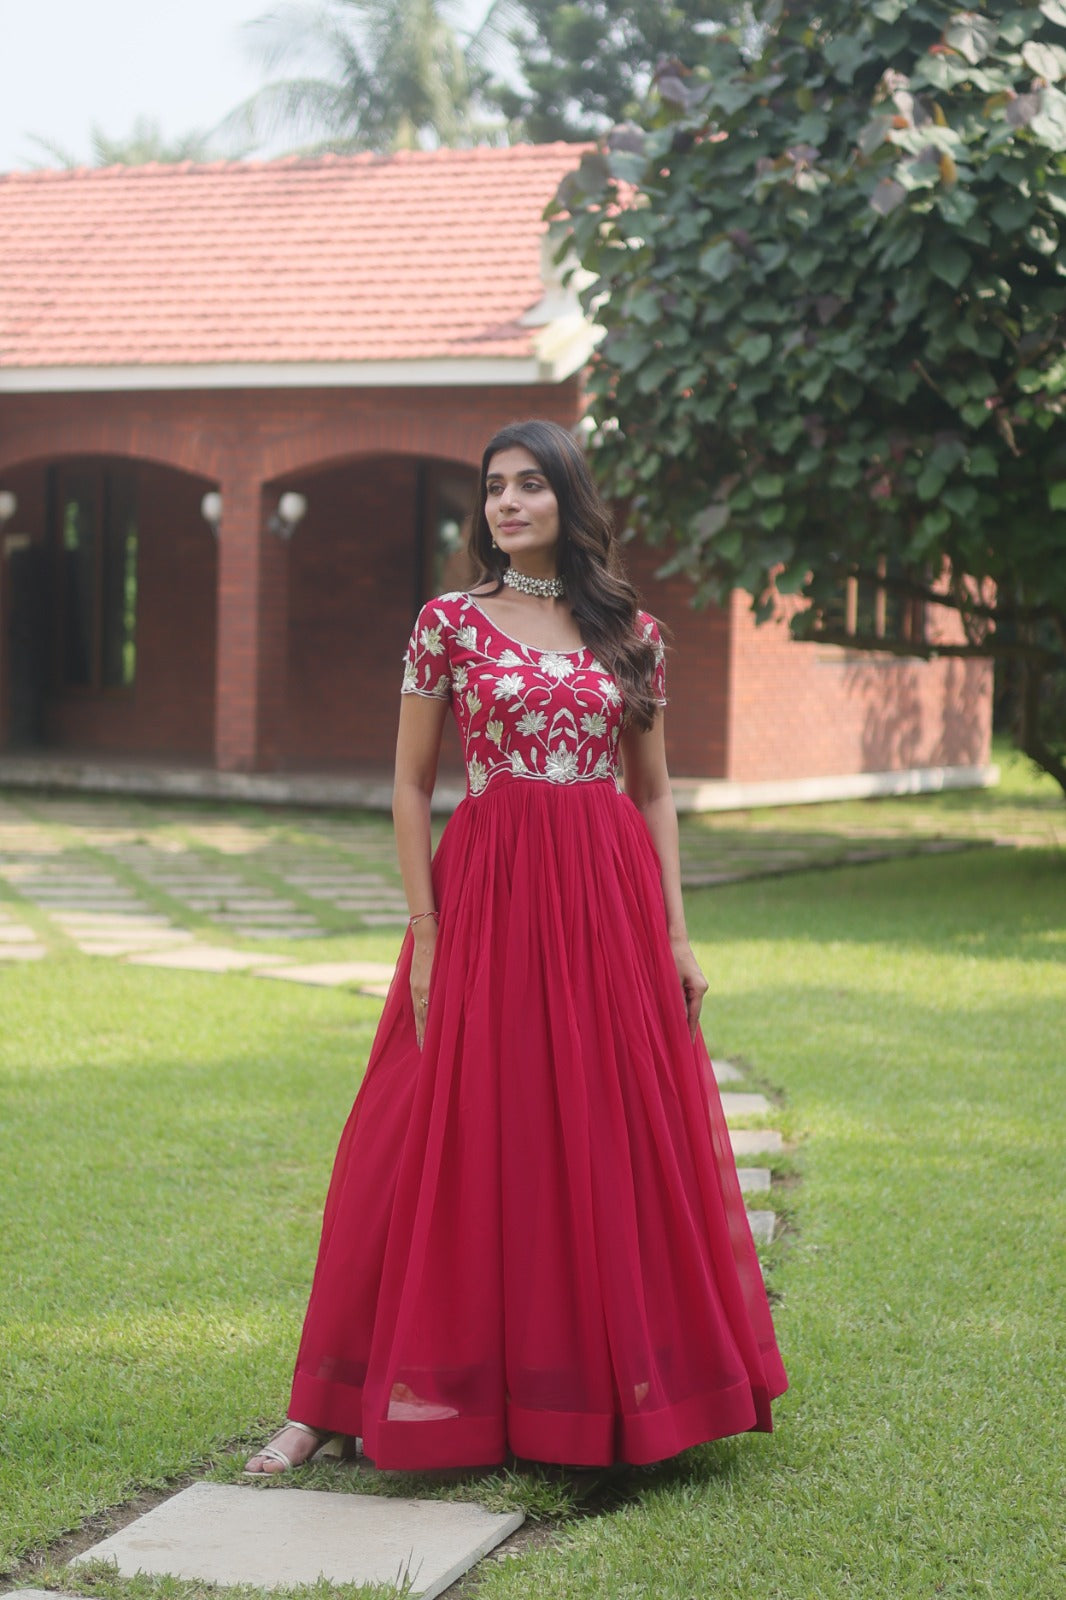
(380, 75)
(830, 274)
(589, 65)
(145, 143)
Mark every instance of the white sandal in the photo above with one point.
(271, 1452)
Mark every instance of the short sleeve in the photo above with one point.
(426, 662)
(654, 638)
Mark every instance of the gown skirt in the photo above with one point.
(534, 1240)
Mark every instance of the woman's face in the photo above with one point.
(521, 509)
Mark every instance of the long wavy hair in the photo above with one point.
(601, 598)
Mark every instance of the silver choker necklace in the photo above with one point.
(543, 588)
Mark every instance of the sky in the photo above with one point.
(69, 64)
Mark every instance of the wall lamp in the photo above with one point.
(292, 509)
(211, 510)
(9, 504)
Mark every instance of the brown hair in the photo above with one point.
(601, 598)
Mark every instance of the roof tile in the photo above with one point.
(420, 255)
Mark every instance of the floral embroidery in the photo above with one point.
(555, 665)
(561, 765)
(530, 715)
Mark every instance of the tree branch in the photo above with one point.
(872, 643)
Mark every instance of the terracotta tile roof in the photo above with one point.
(355, 258)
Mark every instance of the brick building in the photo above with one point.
(190, 355)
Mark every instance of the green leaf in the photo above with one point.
(645, 307)
(772, 516)
(983, 463)
(768, 485)
(1055, 11)
(718, 260)
(1049, 124)
(755, 348)
(1045, 60)
(949, 261)
(929, 484)
(1056, 496)
(971, 34)
(934, 523)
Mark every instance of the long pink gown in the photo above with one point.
(534, 1240)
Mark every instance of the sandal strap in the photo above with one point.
(302, 1427)
(271, 1452)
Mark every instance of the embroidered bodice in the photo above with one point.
(554, 715)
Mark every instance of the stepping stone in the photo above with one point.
(754, 1180)
(118, 947)
(22, 952)
(227, 1534)
(726, 1072)
(382, 902)
(36, 1594)
(15, 933)
(271, 932)
(203, 958)
(332, 973)
(745, 1105)
(762, 1226)
(132, 921)
(755, 1141)
(385, 919)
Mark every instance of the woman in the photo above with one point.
(534, 1241)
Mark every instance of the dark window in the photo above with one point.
(95, 523)
(868, 609)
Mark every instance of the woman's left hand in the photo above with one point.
(693, 983)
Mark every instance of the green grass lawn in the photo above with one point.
(167, 1139)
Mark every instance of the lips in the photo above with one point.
(509, 527)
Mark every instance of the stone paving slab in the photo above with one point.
(122, 947)
(745, 1105)
(331, 973)
(726, 1072)
(36, 1594)
(22, 952)
(15, 933)
(754, 1180)
(227, 1534)
(762, 1226)
(203, 958)
(755, 1141)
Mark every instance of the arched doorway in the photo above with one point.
(107, 610)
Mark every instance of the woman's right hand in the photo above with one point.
(424, 934)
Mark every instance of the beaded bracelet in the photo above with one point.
(419, 916)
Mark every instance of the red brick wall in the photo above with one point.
(807, 710)
(697, 667)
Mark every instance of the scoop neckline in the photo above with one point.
(541, 649)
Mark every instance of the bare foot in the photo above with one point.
(291, 1447)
